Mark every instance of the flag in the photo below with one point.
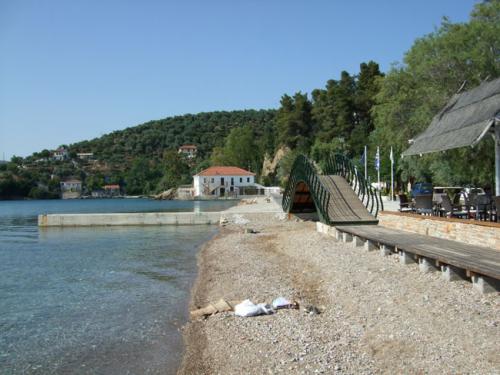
(391, 156)
(377, 159)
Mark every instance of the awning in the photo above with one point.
(464, 121)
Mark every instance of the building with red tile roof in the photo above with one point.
(222, 180)
(225, 171)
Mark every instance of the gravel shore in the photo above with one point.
(377, 315)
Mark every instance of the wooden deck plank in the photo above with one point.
(345, 206)
(481, 260)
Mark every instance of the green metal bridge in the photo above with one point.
(340, 195)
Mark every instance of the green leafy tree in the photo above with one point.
(239, 150)
(176, 171)
(294, 122)
(434, 68)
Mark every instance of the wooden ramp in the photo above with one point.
(476, 259)
(345, 207)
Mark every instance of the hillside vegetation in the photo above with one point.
(368, 107)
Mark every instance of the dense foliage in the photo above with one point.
(388, 110)
(142, 159)
(433, 70)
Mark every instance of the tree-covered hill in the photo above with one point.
(151, 139)
(142, 159)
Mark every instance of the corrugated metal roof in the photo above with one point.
(225, 171)
(464, 121)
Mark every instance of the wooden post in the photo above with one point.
(497, 157)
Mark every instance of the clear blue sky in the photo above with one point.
(74, 70)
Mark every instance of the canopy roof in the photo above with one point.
(464, 120)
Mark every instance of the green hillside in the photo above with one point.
(369, 107)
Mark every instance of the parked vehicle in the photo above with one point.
(453, 193)
(469, 193)
(421, 188)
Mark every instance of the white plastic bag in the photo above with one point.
(248, 308)
(281, 302)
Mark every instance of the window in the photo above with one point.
(212, 180)
(248, 179)
(241, 179)
(204, 179)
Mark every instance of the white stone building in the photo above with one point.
(222, 181)
(60, 154)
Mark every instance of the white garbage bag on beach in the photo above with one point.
(281, 302)
(248, 308)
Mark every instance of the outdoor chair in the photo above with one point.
(496, 202)
(449, 210)
(405, 204)
(436, 202)
(482, 204)
(423, 204)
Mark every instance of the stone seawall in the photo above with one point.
(139, 218)
(145, 218)
(480, 233)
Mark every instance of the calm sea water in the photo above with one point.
(104, 300)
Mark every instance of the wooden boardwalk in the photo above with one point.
(475, 259)
(345, 207)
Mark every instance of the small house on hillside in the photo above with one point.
(71, 189)
(221, 181)
(60, 154)
(111, 190)
(188, 150)
(85, 155)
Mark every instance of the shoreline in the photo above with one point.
(377, 315)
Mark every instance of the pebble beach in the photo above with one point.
(375, 314)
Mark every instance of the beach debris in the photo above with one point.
(251, 231)
(247, 201)
(312, 310)
(281, 216)
(223, 221)
(213, 308)
(248, 308)
(283, 303)
(240, 220)
(245, 308)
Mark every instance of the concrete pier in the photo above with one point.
(485, 284)
(385, 250)
(357, 241)
(451, 273)
(369, 245)
(426, 265)
(406, 257)
(346, 237)
(136, 218)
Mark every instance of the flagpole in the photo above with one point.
(378, 169)
(366, 163)
(392, 175)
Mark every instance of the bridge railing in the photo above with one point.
(341, 165)
(303, 170)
